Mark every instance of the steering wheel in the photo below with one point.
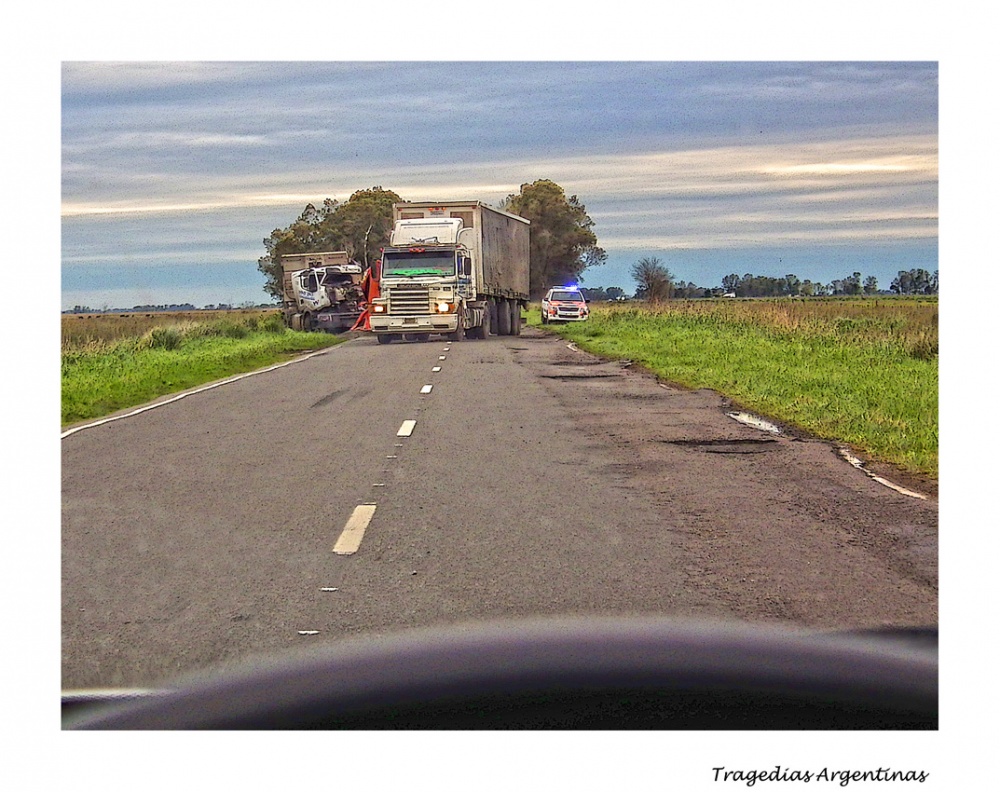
(601, 673)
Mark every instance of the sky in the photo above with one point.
(173, 172)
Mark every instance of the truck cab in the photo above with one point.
(322, 296)
(425, 279)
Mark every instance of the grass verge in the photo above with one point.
(852, 371)
(100, 377)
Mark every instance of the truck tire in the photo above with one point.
(515, 318)
(483, 331)
(503, 317)
(383, 338)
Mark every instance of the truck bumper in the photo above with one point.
(335, 323)
(442, 323)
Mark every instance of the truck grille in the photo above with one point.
(409, 301)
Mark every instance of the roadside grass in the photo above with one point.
(861, 371)
(109, 369)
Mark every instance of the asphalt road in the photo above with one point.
(534, 480)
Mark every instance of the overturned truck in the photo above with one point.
(321, 291)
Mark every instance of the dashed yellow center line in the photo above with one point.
(354, 531)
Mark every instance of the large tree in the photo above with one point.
(360, 226)
(563, 243)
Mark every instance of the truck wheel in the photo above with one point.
(307, 321)
(503, 317)
(486, 328)
(383, 338)
(515, 318)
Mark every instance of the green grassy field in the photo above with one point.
(860, 371)
(114, 361)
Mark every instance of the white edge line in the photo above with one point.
(884, 482)
(180, 396)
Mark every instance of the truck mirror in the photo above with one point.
(467, 267)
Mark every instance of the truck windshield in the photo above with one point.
(410, 264)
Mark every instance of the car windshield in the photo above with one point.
(733, 419)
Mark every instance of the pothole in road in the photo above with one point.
(579, 376)
(723, 446)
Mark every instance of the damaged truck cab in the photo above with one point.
(321, 291)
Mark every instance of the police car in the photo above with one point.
(564, 304)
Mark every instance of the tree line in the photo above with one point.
(563, 242)
(656, 282)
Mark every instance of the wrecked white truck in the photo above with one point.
(321, 291)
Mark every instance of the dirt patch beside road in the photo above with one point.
(778, 527)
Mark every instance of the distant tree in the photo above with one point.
(852, 284)
(654, 279)
(871, 285)
(688, 291)
(563, 243)
(914, 281)
(730, 283)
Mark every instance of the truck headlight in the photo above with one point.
(444, 307)
(378, 308)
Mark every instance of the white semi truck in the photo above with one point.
(458, 268)
(321, 291)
